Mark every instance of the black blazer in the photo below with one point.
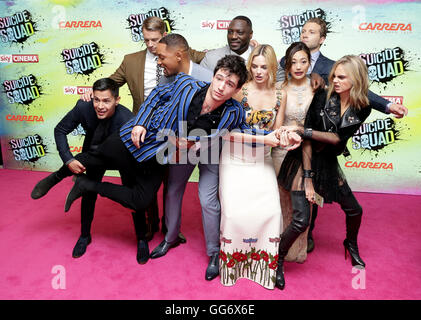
(84, 114)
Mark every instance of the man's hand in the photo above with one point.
(398, 110)
(138, 135)
(316, 81)
(76, 167)
(181, 143)
(87, 96)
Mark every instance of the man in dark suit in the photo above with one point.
(313, 35)
(99, 117)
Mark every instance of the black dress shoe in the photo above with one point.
(43, 186)
(310, 243)
(212, 270)
(163, 247)
(82, 182)
(80, 247)
(142, 252)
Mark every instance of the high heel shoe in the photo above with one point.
(352, 248)
(280, 279)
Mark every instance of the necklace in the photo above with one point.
(299, 90)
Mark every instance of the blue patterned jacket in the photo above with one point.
(166, 108)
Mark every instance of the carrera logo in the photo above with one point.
(76, 89)
(19, 58)
(369, 165)
(394, 99)
(79, 24)
(77, 149)
(215, 24)
(369, 26)
(24, 118)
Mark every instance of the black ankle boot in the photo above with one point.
(43, 186)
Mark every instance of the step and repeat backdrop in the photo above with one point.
(51, 51)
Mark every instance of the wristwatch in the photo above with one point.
(308, 133)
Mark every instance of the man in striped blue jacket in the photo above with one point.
(141, 147)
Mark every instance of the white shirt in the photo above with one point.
(149, 81)
(245, 55)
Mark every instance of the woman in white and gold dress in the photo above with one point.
(250, 206)
(298, 94)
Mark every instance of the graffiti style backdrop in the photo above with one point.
(52, 50)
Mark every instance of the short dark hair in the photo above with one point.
(175, 40)
(235, 65)
(104, 84)
(246, 19)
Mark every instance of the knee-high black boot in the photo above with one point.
(300, 222)
(353, 212)
(353, 223)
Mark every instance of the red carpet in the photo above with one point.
(37, 239)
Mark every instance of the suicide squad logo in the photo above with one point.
(24, 90)
(136, 21)
(17, 28)
(31, 148)
(385, 65)
(82, 60)
(375, 135)
(292, 25)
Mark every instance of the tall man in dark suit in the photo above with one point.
(99, 118)
(313, 35)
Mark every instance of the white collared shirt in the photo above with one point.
(245, 55)
(149, 80)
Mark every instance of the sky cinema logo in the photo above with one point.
(79, 90)
(19, 58)
(215, 24)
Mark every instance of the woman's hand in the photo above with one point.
(309, 188)
(76, 167)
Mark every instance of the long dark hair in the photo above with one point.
(293, 49)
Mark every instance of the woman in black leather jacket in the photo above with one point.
(333, 117)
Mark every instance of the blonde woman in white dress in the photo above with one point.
(251, 221)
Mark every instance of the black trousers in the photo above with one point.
(141, 180)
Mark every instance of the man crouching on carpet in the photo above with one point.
(99, 118)
(139, 145)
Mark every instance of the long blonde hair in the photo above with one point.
(356, 70)
(268, 53)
